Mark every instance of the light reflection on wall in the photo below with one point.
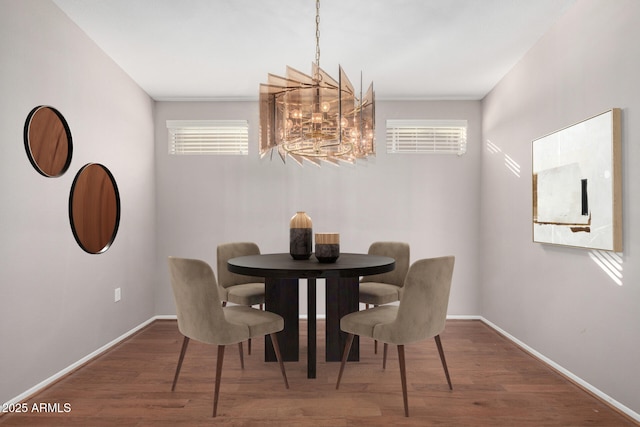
(509, 162)
(512, 165)
(493, 148)
(610, 263)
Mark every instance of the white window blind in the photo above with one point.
(427, 136)
(202, 137)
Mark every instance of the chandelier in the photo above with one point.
(316, 118)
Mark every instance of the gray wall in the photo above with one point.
(430, 201)
(557, 299)
(57, 302)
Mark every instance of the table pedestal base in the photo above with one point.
(281, 297)
(343, 295)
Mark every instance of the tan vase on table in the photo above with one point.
(300, 236)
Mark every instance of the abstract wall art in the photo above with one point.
(577, 184)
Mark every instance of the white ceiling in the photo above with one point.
(223, 49)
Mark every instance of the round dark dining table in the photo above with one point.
(282, 273)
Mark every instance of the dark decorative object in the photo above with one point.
(94, 208)
(47, 141)
(300, 236)
(327, 247)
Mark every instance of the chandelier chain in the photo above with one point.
(318, 33)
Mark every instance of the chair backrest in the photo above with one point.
(396, 250)
(423, 305)
(200, 314)
(225, 252)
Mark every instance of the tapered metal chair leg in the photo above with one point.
(442, 359)
(185, 343)
(347, 349)
(216, 391)
(241, 355)
(403, 379)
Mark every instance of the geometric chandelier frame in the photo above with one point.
(316, 118)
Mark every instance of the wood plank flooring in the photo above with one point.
(495, 383)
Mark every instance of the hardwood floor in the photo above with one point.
(495, 383)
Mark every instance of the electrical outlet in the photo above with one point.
(117, 295)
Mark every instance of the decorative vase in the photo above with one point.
(300, 236)
(327, 247)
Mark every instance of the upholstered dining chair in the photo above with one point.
(236, 288)
(386, 287)
(421, 314)
(201, 317)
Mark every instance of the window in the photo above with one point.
(202, 137)
(427, 136)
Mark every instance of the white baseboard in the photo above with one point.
(463, 317)
(165, 317)
(77, 364)
(622, 408)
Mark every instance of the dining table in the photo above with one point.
(282, 276)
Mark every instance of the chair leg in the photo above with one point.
(216, 391)
(241, 355)
(442, 359)
(384, 356)
(249, 343)
(224, 303)
(347, 348)
(185, 343)
(403, 379)
(276, 349)
(375, 342)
